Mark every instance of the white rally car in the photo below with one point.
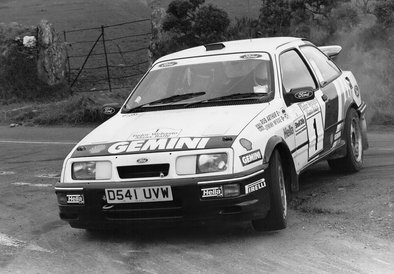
(220, 131)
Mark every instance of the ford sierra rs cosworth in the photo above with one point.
(217, 132)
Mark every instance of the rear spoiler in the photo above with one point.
(331, 51)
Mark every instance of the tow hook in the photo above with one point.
(106, 207)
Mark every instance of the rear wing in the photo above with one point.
(331, 51)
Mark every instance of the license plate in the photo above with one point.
(138, 195)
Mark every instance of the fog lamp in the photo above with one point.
(231, 190)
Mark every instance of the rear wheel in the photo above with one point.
(277, 216)
(353, 161)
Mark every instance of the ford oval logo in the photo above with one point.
(303, 94)
(142, 160)
(109, 110)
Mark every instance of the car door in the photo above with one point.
(307, 116)
(333, 93)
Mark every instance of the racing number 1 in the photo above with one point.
(315, 133)
(317, 136)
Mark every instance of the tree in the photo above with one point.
(313, 19)
(275, 17)
(384, 12)
(189, 23)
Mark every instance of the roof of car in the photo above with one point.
(247, 45)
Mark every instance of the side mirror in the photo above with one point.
(297, 95)
(110, 110)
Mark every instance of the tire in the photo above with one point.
(277, 216)
(353, 161)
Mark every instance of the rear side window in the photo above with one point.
(325, 69)
(295, 73)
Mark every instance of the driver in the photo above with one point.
(260, 78)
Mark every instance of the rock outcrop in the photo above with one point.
(51, 63)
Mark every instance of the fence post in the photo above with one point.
(106, 59)
(86, 60)
(67, 57)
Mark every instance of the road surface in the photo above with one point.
(338, 223)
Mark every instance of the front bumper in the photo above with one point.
(187, 204)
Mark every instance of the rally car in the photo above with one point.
(217, 132)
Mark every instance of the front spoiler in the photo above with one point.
(187, 204)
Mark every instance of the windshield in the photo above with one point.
(204, 79)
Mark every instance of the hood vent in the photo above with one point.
(216, 46)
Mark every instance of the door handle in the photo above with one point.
(349, 83)
(324, 97)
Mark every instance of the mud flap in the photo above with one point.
(363, 124)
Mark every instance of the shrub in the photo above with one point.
(74, 111)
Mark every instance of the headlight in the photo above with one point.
(203, 163)
(211, 162)
(91, 170)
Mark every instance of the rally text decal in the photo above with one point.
(251, 157)
(158, 144)
(255, 186)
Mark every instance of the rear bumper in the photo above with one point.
(187, 205)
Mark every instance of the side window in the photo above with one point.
(295, 73)
(325, 69)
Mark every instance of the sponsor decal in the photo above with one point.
(212, 192)
(288, 131)
(168, 64)
(246, 144)
(158, 144)
(300, 125)
(251, 56)
(251, 157)
(156, 134)
(109, 110)
(357, 90)
(302, 95)
(284, 113)
(271, 120)
(142, 160)
(255, 186)
(75, 199)
(310, 108)
(97, 149)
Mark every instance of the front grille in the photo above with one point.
(143, 171)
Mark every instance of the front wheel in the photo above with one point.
(353, 161)
(277, 216)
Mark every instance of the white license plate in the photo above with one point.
(138, 195)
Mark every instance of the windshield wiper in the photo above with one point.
(167, 100)
(232, 97)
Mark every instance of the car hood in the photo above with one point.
(196, 122)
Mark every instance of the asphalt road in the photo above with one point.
(338, 223)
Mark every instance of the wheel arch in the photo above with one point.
(291, 175)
